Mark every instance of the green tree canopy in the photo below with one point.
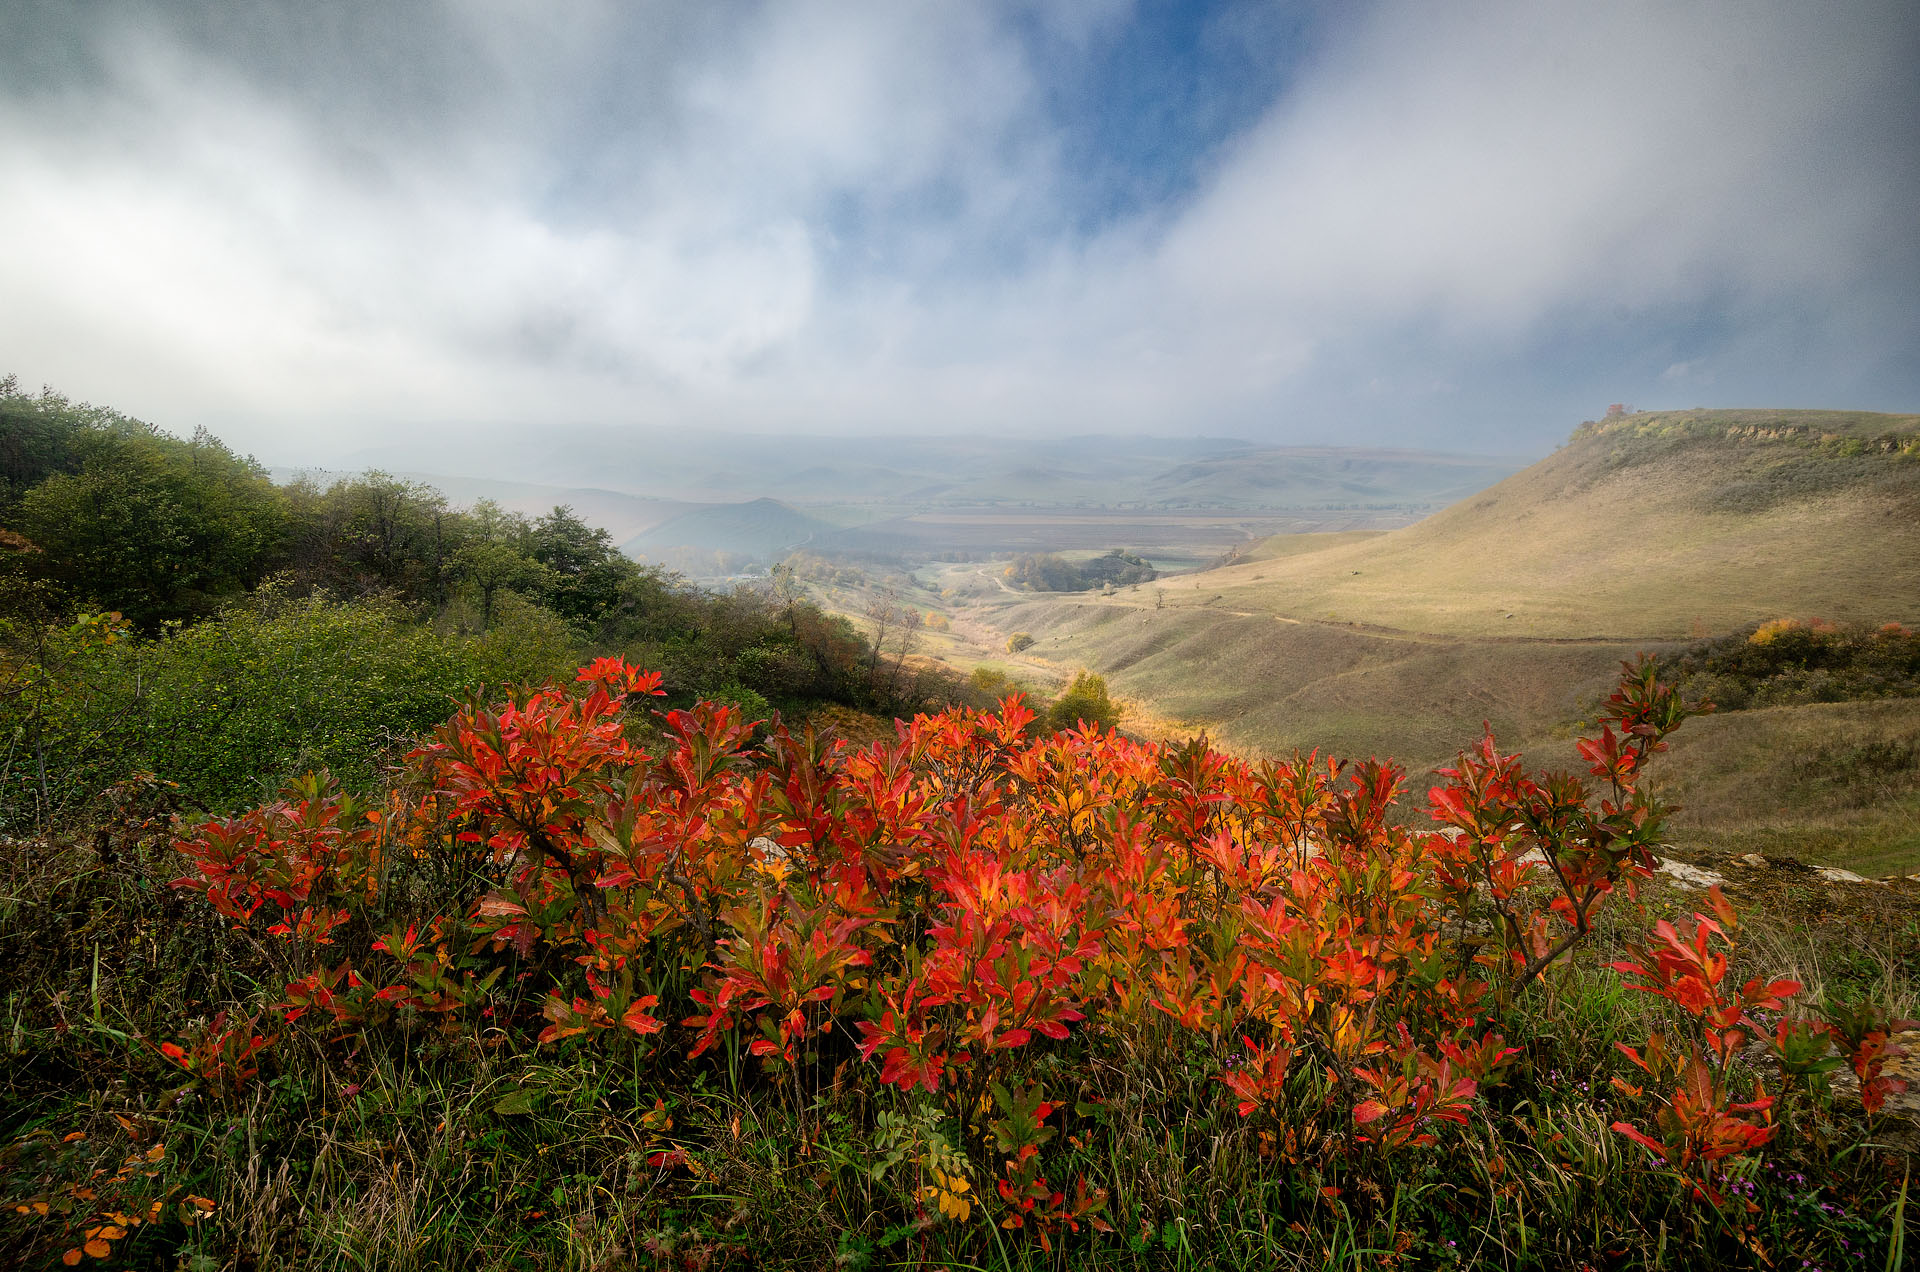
(130, 518)
(1086, 701)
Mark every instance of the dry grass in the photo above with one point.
(1703, 537)
(1263, 685)
(1834, 782)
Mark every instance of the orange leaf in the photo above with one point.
(98, 1249)
(74, 1137)
(71, 1257)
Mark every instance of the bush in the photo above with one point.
(733, 999)
(1019, 641)
(1085, 701)
(229, 708)
(1789, 661)
(950, 908)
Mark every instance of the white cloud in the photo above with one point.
(862, 216)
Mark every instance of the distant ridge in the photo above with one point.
(1656, 524)
(759, 528)
(1304, 476)
(1087, 471)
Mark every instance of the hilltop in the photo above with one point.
(1654, 525)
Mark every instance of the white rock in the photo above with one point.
(1751, 859)
(1690, 876)
(770, 851)
(1834, 874)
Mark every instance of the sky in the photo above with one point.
(315, 228)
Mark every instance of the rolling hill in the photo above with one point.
(1654, 525)
(910, 472)
(762, 529)
(1321, 476)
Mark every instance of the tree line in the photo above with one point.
(165, 607)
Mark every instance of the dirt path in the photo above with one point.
(1363, 629)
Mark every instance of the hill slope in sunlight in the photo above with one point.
(1660, 524)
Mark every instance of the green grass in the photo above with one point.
(1834, 783)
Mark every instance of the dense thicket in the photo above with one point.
(1788, 661)
(573, 996)
(1046, 572)
(272, 628)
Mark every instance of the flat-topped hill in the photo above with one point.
(1657, 524)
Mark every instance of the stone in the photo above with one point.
(1690, 876)
(1834, 874)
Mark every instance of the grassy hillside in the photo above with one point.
(1826, 781)
(1515, 606)
(1262, 685)
(1655, 525)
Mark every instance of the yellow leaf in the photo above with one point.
(155, 1153)
(98, 1249)
(112, 1232)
